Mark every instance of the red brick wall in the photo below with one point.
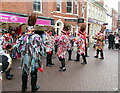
(17, 7)
(114, 20)
(27, 7)
(47, 9)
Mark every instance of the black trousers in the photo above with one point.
(101, 53)
(33, 79)
(62, 62)
(49, 59)
(78, 57)
(7, 73)
(70, 54)
(111, 44)
(56, 48)
(84, 58)
(86, 51)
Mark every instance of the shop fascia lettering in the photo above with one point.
(17, 19)
(6, 19)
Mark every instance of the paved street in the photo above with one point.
(97, 75)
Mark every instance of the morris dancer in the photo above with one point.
(49, 46)
(32, 50)
(63, 43)
(100, 37)
(81, 44)
(70, 47)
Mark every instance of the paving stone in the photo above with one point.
(95, 77)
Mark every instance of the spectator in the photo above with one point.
(111, 41)
(117, 41)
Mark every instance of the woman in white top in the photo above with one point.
(117, 41)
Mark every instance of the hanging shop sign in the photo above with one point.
(105, 24)
(80, 20)
(71, 20)
(18, 19)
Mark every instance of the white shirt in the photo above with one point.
(117, 39)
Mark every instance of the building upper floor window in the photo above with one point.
(83, 11)
(37, 5)
(59, 4)
(75, 7)
(96, 10)
(89, 12)
(69, 6)
(93, 9)
(89, 6)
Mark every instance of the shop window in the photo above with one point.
(89, 6)
(83, 11)
(37, 5)
(89, 12)
(69, 6)
(59, 5)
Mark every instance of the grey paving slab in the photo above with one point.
(97, 75)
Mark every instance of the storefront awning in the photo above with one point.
(16, 18)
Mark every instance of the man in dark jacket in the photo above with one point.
(111, 41)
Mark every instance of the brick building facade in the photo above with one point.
(114, 20)
(71, 19)
(49, 10)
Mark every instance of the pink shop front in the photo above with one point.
(18, 22)
(13, 25)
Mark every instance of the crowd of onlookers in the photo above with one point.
(113, 40)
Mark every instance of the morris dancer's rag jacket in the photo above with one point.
(31, 46)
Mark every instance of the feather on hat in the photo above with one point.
(32, 19)
(65, 29)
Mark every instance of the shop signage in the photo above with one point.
(79, 20)
(71, 20)
(17, 19)
(105, 24)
